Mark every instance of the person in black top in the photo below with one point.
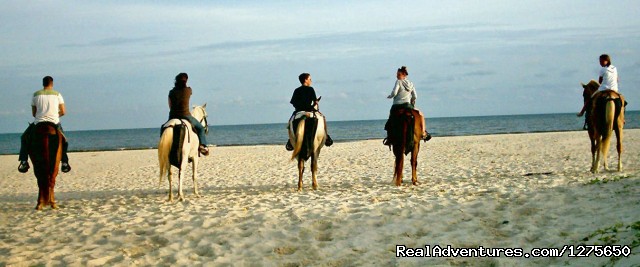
(304, 99)
(179, 109)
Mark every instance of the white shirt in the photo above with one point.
(47, 103)
(609, 78)
(403, 92)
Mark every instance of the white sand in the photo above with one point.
(474, 192)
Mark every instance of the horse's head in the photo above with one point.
(315, 104)
(590, 88)
(200, 113)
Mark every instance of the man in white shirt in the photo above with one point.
(47, 105)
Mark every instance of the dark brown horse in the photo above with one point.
(45, 153)
(605, 116)
(405, 135)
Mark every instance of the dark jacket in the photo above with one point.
(303, 98)
(179, 102)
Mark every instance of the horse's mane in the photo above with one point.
(592, 86)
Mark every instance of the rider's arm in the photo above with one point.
(33, 111)
(61, 110)
(600, 79)
(414, 96)
(395, 90)
(169, 102)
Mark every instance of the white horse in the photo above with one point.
(189, 150)
(303, 151)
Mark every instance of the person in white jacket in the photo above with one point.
(404, 96)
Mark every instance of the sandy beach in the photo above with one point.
(495, 191)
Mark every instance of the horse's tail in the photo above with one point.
(609, 121)
(297, 147)
(164, 148)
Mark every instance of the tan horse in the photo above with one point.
(45, 153)
(189, 152)
(606, 117)
(306, 144)
(407, 121)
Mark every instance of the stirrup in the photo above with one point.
(65, 167)
(289, 146)
(23, 167)
(329, 141)
(427, 137)
(203, 150)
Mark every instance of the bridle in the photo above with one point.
(203, 121)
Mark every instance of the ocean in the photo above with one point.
(340, 131)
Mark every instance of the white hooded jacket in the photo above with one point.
(403, 92)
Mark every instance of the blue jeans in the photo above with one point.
(196, 126)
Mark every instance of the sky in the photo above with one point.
(114, 62)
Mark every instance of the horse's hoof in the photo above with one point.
(54, 206)
(315, 187)
(39, 207)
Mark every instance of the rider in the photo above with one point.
(608, 80)
(303, 99)
(179, 109)
(404, 96)
(47, 105)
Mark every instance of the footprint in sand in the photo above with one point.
(205, 251)
(34, 240)
(324, 237)
(285, 250)
(325, 230)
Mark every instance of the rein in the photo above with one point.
(204, 122)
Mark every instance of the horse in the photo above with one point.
(308, 138)
(45, 153)
(186, 154)
(607, 116)
(405, 134)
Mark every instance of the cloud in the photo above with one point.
(468, 62)
(479, 73)
(114, 41)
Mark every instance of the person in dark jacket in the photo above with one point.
(304, 99)
(179, 109)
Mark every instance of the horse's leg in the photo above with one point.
(414, 162)
(42, 191)
(194, 170)
(300, 173)
(180, 176)
(619, 136)
(314, 170)
(594, 148)
(596, 160)
(170, 183)
(399, 164)
(52, 201)
(56, 167)
(606, 142)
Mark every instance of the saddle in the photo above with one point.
(179, 132)
(396, 130)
